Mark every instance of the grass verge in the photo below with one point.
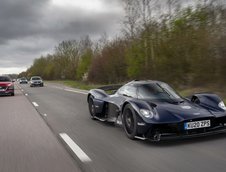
(215, 90)
(184, 92)
(76, 84)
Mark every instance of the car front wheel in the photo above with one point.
(91, 108)
(129, 121)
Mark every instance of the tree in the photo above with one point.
(84, 64)
(67, 56)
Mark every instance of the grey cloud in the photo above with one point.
(27, 17)
(30, 28)
(86, 25)
(17, 18)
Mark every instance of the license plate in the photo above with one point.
(197, 124)
(2, 90)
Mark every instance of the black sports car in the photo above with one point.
(153, 110)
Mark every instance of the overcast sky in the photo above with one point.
(31, 28)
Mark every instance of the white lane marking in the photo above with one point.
(45, 115)
(75, 91)
(35, 104)
(75, 148)
(26, 94)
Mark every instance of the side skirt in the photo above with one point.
(100, 119)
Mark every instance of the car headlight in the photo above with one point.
(147, 113)
(222, 105)
(10, 86)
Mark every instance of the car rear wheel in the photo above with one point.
(129, 121)
(91, 108)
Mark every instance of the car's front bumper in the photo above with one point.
(23, 82)
(36, 84)
(171, 136)
(157, 132)
(7, 92)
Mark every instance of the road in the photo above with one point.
(26, 143)
(108, 149)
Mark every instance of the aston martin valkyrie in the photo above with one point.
(153, 110)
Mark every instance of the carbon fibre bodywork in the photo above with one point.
(168, 117)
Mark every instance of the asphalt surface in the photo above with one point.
(26, 143)
(109, 150)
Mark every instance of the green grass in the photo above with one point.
(190, 91)
(76, 84)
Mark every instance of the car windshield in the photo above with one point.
(158, 91)
(4, 79)
(36, 78)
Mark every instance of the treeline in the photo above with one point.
(179, 44)
(71, 60)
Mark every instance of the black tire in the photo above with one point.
(129, 120)
(12, 94)
(91, 108)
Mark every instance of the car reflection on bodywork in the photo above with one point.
(36, 81)
(6, 86)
